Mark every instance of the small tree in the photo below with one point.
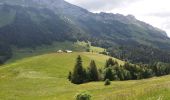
(110, 62)
(147, 73)
(109, 74)
(93, 72)
(107, 82)
(79, 75)
(83, 96)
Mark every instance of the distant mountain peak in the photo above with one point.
(131, 16)
(58, 16)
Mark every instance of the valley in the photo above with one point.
(55, 50)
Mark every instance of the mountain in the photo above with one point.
(30, 23)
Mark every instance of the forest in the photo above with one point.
(113, 71)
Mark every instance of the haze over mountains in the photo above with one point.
(53, 50)
(156, 15)
(30, 23)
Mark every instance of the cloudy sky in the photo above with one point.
(154, 12)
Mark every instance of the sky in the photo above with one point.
(154, 12)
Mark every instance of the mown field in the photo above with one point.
(44, 77)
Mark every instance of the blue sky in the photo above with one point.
(154, 12)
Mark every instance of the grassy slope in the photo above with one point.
(44, 78)
(28, 52)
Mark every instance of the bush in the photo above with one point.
(83, 96)
(107, 82)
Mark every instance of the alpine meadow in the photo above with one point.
(84, 50)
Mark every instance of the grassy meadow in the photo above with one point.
(44, 77)
(54, 47)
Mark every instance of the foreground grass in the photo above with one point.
(45, 78)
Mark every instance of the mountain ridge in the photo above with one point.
(29, 23)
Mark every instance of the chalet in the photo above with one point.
(68, 51)
(59, 51)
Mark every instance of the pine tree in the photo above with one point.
(110, 62)
(79, 75)
(109, 74)
(107, 64)
(93, 72)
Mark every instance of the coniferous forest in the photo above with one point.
(114, 72)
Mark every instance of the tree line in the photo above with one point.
(139, 54)
(113, 71)
(5, 53)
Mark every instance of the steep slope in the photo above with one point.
(45, 78)
(112, 27)
(32, 27)
(30, 23)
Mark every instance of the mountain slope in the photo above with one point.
(32, 27)
(45, 78)
(30, 23)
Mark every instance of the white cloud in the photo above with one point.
(100, 5)
(154, 12)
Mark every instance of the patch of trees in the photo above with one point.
(160, 68)
(140, 54)
(113, 71)
(81, 75)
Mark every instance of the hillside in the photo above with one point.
(31, 23)
(44, 77)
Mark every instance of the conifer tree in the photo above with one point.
(110, 62)
(79, 75)
(93, 72)
(109, 74)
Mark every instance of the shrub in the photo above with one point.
(107, 82)
(83, 96)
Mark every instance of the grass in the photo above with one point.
(44, 77)
(91, 48)
(29, 52)
(54, 47)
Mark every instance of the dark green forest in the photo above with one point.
(29, 24)
(140, 54)
(114, 72)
